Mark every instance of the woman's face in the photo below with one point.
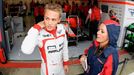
(102, 34)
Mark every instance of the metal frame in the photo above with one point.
(78, 26)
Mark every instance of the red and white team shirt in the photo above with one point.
(53, 49)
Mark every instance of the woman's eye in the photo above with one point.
(102, 31)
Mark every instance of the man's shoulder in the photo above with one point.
(60, 25)
(40, 23)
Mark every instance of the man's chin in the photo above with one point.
(49, 29)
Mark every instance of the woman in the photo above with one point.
(102, 55)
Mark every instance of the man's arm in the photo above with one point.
(65, 54)
(30, 41)
(65, 48)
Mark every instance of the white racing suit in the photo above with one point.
(53, 50)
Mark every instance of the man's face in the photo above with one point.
(51, 19)
(102, 34)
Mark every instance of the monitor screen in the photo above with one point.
(104, 8)
(63, 17)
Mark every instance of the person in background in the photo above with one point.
(41, 12)
(94, 15)
(36, 13)
(50, 37)
(113, 16)
(86, 8)
(110, 15)
(102, 55)
(32, 5)
(81, 11)
(74, 8)
(22, 9)
(67, 8)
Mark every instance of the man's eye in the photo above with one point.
(53, 19)
(46, 18)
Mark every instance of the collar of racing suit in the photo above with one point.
(52, 31)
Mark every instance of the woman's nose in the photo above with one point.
(98, 32)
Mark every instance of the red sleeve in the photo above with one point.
(65, 63)
(107, 69)
(36, 11)
(95, 42)
(86, 51)
(36, 26)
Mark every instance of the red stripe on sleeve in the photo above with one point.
(107, 69)
(36, 26)
(65, 63)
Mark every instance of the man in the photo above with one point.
(51, 39)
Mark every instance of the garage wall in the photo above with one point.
(28, 1)
(41, 1)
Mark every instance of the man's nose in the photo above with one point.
(50, 22)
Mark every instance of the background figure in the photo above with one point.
(36, 13)
(102, 55)
(51, 39)
(32, 5)
(81, 11)
(39, 12)
(22, 9)
(113, 16)
(110, 15)
(94, 15)
(74, 8)
(66, 8)
(85, 12)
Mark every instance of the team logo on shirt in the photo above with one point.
(47, 35)
(53, 49)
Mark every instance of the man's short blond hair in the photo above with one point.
(54, 7)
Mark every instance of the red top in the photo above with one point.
(41, 11)
(36, 9)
